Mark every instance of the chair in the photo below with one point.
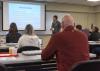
(2, 67)
(91, 65)
(27, 48)
(4, 50)
(50, 65)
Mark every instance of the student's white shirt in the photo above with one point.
(29, 40)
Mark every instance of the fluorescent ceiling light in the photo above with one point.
(94, 0)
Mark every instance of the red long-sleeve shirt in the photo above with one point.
(69, 46)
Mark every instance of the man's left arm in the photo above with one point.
(50, 50)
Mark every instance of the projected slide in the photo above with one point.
(23, 14)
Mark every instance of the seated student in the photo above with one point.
(79, 27)
(13, 35)
(69, 46)
(95, 35)
(29, 38)
(86, 31)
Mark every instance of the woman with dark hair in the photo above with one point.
(29, 38)
(13, 35)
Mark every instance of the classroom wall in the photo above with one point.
(84, 15)
(97, 10)
(68, 7)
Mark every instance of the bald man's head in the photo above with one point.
(67, 20)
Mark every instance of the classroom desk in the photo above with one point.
(22, 62)
(19, 59)
(8, 45)
(93, 45)
(5, 47)
(94, 42)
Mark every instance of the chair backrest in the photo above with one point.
(3, 67)
(4, 49)
(50, 65)
(27, 48)
(91, 65)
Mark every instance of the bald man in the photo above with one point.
(70, 46)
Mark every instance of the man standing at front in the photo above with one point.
(56, 26)
(70, 46)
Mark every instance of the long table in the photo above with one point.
(94, 42)
(5, 47)
(34, 63)
(23, 62)
(93, 45)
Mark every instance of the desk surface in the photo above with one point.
(7, 45)
(20, 59)
(94, 42)
(35, 58)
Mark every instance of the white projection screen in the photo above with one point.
(23, 13)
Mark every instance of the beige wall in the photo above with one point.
(45, 40)
(69, 7)
(97, 9)
(85, 19)
(84, 15)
